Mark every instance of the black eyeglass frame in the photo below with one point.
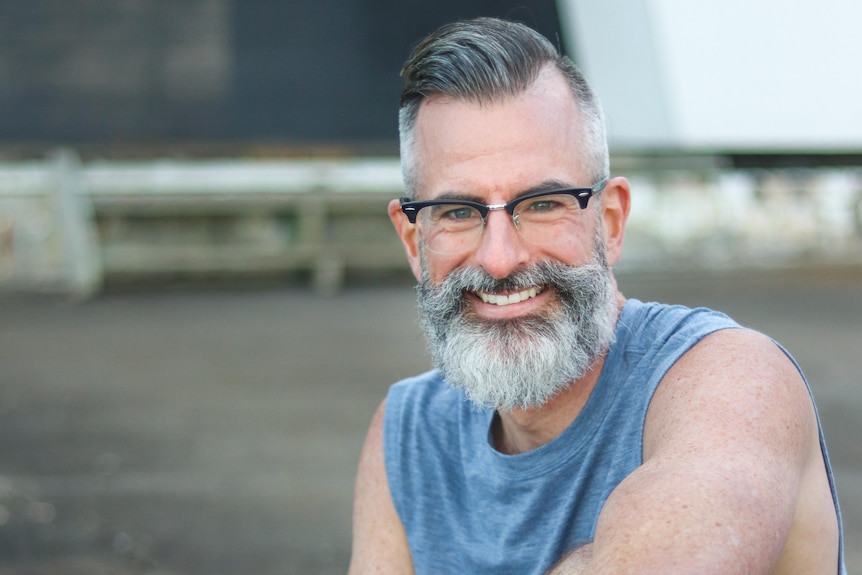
(411, 207)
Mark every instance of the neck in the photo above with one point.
(522, 430)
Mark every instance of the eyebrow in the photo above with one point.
(544, 186)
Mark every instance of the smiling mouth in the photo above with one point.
(507, 299)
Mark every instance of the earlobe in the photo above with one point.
(409, 237)
(616, 202)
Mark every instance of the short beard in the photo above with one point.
(523, 362)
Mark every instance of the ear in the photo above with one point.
(616, 202)
(409, 237)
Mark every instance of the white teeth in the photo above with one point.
(501, 300)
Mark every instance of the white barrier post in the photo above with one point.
(75, 220)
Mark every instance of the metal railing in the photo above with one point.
(65, 225)
(68, 226)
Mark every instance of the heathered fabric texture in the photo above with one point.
(467, 508)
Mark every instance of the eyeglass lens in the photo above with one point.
(456, 228)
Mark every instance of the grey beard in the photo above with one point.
(521, 362)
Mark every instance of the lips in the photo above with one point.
(510, 298)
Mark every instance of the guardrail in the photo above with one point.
(67, 226)
(728, 219)
(46, 238)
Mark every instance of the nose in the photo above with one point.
(501, 249)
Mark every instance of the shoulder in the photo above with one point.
(655, 323)
(425, 387)
(734, 391)
(730, 446)
(425, 401)
(651, 337)
(379, 541)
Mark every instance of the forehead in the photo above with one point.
(503, 147)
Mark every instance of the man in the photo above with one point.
(567, 429)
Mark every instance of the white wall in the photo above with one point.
(723, 74)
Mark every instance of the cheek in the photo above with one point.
(436, 267)
(575, 250)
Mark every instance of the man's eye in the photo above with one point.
(556, 205)
(458, 213)
(543, 205)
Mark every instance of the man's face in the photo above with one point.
(492, 154)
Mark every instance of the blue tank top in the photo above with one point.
(467, 508)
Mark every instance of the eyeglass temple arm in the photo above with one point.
(409, 211)
(584, 197)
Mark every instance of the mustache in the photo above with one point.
(449, 298)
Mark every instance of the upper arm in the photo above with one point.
(728, 436)
(379, 542)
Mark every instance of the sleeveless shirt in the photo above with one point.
(467, 508)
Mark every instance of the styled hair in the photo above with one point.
(485, 61)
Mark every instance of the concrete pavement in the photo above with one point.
(217, 431)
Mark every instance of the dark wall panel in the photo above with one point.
(108, 70)
(284, 71)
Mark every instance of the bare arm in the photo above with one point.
(729, 436)
(575, 562)
(379, 542)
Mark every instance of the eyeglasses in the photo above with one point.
(455, 226)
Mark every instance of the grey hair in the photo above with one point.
(487, 60)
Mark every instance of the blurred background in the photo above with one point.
(201, 297)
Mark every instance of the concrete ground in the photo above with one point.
(217, 432)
